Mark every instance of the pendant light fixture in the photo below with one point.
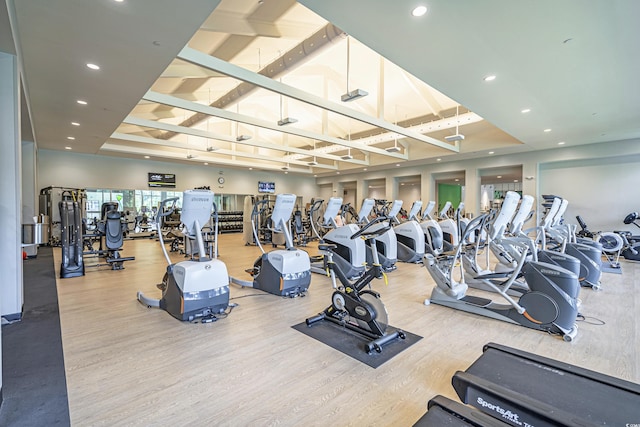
(356, 93)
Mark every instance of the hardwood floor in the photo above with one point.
(130, 365)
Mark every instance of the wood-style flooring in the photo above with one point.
(127, 364)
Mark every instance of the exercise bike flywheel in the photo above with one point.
(378, 307)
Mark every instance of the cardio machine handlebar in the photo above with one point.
(256, 206)
(161, 213)
(364, 232)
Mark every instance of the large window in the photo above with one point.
(138, 202)
(135, 201)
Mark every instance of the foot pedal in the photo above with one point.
(477, 301)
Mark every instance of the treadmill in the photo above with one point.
(522, 388)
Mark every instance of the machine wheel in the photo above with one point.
(611, 242)
(338, 302)
(381, 317)
(540, 307)
(373, 346)
(568, 337)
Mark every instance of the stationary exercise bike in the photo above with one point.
(198, 288)
(353, 307)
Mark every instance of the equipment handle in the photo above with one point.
(371, 234)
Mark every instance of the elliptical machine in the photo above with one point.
(198, 288)
(589, 253)
(349, 254)
(386, 244)
(285, 272)
(354, 307)
(409, 234)
(550, 304)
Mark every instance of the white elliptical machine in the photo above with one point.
(549, 304)
(386, 244)
(589, 254)
(197, 288)
(285, 272)
(433, 235)
(349, 254)
(409, 234)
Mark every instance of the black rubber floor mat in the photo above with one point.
(353, 344)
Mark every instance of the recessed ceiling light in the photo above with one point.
(118, 1)
(499, 176)
(438, 160)
(75, 123)
(457, 180)
(547, 130)
(515, 180)
(364, 169)
(147, 157)
(206, 164)
(93, 66)
(489, 78)
(491, 152)
(526, 110)
(71, 137)
(81, 102)
(337, 173)
(397, 164)
(561, 143)
(67, 148)
(419, 11)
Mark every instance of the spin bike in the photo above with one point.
(353, 307)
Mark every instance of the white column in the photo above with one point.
(427, 187)
(530, 186)
(11, 294)
(471, 191)
(30, 206)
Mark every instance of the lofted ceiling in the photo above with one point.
(209, 84)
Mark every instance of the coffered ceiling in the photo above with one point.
(219, 81)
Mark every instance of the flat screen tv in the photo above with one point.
(266, 187)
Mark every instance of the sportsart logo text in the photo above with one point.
(504, 413)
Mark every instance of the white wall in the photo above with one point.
(409, 193)
(602, 191)
(582, 174)
(599, 180)
(66, 169)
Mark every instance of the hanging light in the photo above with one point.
(458, 136)
(356, 93)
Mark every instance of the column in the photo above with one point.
(427, 187)
(11, 295)
(530, 185)
(472, 191)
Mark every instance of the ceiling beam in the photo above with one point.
(215, 64)
(208, 157)
(173, 144)
(220, 137)
(229, 115)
